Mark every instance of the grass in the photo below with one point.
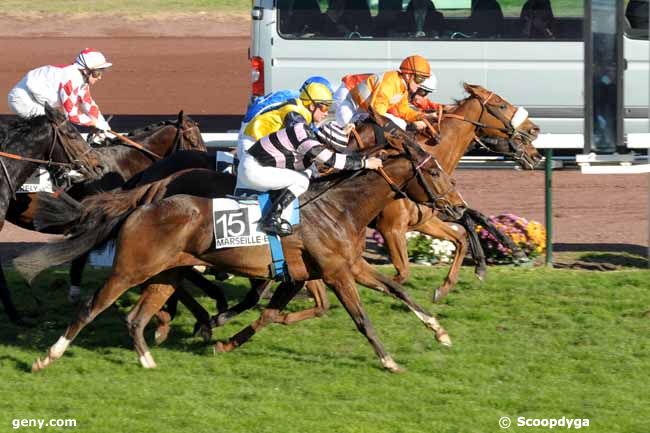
(531, 342)
(125, 7)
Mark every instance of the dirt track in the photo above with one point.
(157, 74)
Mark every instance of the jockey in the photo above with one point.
(66, 86)
(279, 161)
(307, 108)
(380, 93)
(420, 100)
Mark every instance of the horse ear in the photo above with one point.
(181, 117)
(469, 88)
(52, 114)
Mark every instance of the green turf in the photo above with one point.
(528, 342)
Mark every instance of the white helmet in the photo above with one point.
(91, 59)
(430, 84)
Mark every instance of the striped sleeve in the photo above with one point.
(313, 150)
(331, 134)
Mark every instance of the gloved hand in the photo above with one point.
(102, 125)
(98, 137)
(373, 163)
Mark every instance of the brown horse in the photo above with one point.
(483, 116)
(328, 244)
(471, 119)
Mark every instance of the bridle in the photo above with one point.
(179, 139)
(57, 136)
(436, 201)
(512, 132)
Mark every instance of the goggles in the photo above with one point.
(422, 92)
(96, 73)
(419, 79)
(323, 107)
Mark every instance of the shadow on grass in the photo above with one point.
(601, 257)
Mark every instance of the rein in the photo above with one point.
(138, 146)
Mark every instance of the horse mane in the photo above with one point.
(28, 128)
(149, 128)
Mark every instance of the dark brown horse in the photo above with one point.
(328, 244)
(121, 162)
(55, 142)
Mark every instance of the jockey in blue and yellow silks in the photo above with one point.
(277, 146)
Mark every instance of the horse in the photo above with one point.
(49, 140)
(328, 243)
(484, 117)
(121, 160)
(481, 116)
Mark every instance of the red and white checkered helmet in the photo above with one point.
(90, 58)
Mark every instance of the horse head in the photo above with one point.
(189, 134)
(505, 128)
(68, 146)
(427, 183)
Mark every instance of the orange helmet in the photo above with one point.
(415, 64)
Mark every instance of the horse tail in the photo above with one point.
(56, 210)
(95, 220)
(32, 263)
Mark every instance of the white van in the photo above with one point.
(528, 51)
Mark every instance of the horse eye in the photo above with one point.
(503, 106)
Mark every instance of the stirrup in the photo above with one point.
(278, 226)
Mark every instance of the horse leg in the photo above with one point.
(347, 293)
(317, 290)
(202, 326)
(371, 278)
(213, 290)
(115, 286)
(165, 316)
(394, 233)
(5, 296)
(283, 294)
(76, 274)
(152, 299)
(475, 247)
(455, 234)
(252, 298)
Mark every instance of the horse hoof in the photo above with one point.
(443, 338)
(161, 335)
(439, 295)
(480, 274)
(399, 279)
(38, 365)
(206, 333)
(222, 347)
(390, 365)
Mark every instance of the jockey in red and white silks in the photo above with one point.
(65, 86)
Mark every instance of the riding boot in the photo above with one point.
(272, 222)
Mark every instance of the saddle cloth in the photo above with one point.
(235, 220)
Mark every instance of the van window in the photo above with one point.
(636, 19)
(426, 19)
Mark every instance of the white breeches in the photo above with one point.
(252, 175)
(21, 102)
